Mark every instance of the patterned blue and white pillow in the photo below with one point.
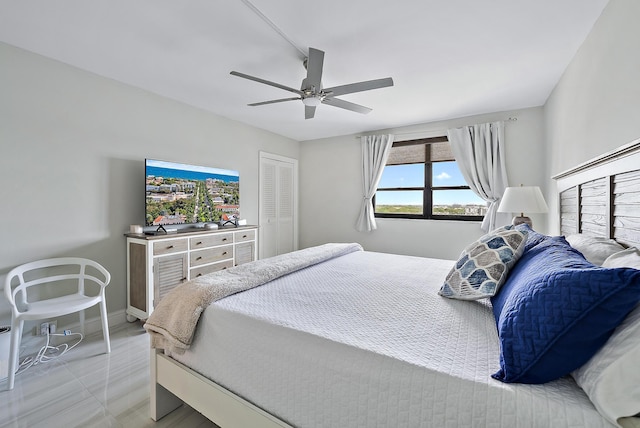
(483, 266)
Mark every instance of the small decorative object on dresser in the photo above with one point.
(157, 264)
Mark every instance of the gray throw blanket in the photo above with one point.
(172, 324)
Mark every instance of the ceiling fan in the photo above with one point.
(311, 92)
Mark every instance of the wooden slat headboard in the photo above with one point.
(601, 197)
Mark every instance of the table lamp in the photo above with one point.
(523, 199)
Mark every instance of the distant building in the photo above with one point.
(228, 208)
(480, 210)
(169, 219)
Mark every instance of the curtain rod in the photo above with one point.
(509, 119)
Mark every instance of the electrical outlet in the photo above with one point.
(44, 328)
(53, 325)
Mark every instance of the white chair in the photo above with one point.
(47, 274)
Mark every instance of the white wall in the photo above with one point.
(595, 106)
(72, 150)
(331, 189)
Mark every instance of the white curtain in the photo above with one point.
(479, 152)
(375, 151)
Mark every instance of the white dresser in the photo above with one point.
(157, 263)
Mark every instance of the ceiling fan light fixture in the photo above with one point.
(313, 101)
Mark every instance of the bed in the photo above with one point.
(374, 344)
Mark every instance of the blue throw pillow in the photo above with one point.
(556, 310)
(533, 237)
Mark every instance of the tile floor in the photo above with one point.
(87, 388)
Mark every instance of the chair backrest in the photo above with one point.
(17, 294)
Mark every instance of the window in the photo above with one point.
(422, 180)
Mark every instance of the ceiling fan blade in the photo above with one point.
(314, 70)
(274, 101)
(346, 105)
(266, 82)
(309, 112)
(359, 87)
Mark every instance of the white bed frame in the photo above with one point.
(172, 383)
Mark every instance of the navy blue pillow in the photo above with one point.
(533, 237)
(556, 310)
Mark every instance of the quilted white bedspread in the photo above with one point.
(364, 340)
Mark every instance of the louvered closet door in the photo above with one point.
(278, 184)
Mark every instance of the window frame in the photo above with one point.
(427, 190)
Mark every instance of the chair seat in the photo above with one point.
(59, 306)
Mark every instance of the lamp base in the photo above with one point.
(522, 220)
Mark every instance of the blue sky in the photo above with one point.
(444, 174)
(196, 168)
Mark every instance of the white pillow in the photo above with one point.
(626, 258)
(611, 378)
(594, 248)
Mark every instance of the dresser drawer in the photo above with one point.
(170, 246)
(203, 270)
(244, 235)
(211, 255)
(206, 241)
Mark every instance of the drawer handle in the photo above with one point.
(199, 243)
(244, 236)
(199, 258)
(169, 247)
(224, 239)
(199, 274)
(224, 254)
(224, 268)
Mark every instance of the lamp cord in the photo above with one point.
(48, 352)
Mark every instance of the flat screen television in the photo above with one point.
(180, 194)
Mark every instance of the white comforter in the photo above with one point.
(364, 340)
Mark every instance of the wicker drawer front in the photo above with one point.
(203, 270)
(169, 272)
(211, 255)
(244, 253)
(168, 247)
(210, 240)
(245, 235)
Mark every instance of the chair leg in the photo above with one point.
(14, 351)
(81, 314)
(105, 325)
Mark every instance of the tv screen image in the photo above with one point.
(178, 193)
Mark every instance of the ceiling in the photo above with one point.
(448, 58)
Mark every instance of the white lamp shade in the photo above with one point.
(523, 199)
